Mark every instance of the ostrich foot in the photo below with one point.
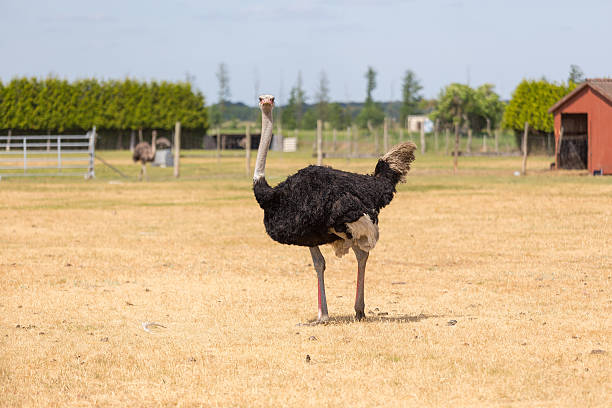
(323, 319)
(359, 315)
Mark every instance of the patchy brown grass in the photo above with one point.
(523, 265)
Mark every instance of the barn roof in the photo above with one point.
(601, 86)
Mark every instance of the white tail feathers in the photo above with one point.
(400, 157)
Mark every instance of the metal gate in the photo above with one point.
(47, 155)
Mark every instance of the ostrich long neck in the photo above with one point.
(264, 143)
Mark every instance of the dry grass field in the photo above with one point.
(485, 289)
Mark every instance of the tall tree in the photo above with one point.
(322, 96)
(223, 93)
(411, 97)
(575, 75)
(294, 111)
(370, 111)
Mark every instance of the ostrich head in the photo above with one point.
(266, 102)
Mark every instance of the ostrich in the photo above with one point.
(321, 205)
(145, 153)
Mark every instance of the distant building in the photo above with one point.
(414, 123)
(583, 128)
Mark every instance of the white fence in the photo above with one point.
(48, 155)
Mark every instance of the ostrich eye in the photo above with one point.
(272, 99)
(260, 98)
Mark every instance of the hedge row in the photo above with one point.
(58, 105)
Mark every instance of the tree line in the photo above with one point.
(58, 105)
(476, 108)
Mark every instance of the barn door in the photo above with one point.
(574, 148)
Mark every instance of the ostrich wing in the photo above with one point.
(348, 208)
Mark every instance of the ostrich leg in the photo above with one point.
(362, 258)
(319, 264)
(144, 171)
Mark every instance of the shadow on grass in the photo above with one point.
(349, 319)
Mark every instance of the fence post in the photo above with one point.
(484, 139)
(386, 135)
(401, 134)
(247, 146)
(92, 144)
(525, 133)
(218, 144)
(25, 156)
(59, 153)
(335, 140)
(496, 140)
(456, 153)
(468, 147)
(436, 131)
(349, 137)
(447, 137)
(319, 142)
(423, 137)
(177, 149)
(8, 141)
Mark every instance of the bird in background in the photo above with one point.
(320, 205)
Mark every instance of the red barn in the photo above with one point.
(583, 127)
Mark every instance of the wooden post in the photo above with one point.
(468, 147)
(139, 135)
(356, 142)
(319, 142)
(8, 140)
(132, 141)
(484, 139)
(524, 168)
(349, 136)
(423, 137)
(335, 140)
(218, 144)
(386, 135)
(247, 147)
(436, 131)
(456, 153)
(401, 134)
(496, 140)
(447, 137)
(177, 149)
(558, 153)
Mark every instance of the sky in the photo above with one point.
(265, 43)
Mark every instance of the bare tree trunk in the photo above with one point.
(401, 134)
(247, 147)
(456, 154)
(525, 135)
(319, 142)
(140, 135)
(177, 149)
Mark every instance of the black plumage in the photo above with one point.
(302, 209)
